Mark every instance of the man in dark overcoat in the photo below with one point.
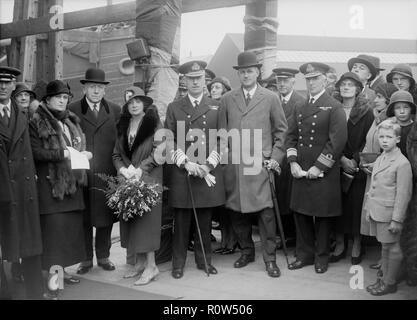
(257, 115)
(20, 234)
(194, 153)
(290, 99)
(316, 137)
(98, 121)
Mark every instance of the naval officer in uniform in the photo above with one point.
(198, 157)
(316, 137)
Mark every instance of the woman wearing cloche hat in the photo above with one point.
(54, 130)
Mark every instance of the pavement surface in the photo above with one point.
(248, 283)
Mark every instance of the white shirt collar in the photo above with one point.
(91, 104)
(317, 96)
(9, 107)
(287, 97)
(192, 99)
(251, 91)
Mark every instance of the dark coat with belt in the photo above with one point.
(316, 137)
(203, 117)
(284, 180)
(247, 186)
(143, 234)
(359, 122)
(20, 232)
(101, 137)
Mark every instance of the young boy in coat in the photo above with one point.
(386, 205)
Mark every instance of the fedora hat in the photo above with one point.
(373, 63)
(400, 96)
(247, 59)
(352, 76)
(139, 93)
(56, 87)
(404, 70)
(21, 87)
(95, 75)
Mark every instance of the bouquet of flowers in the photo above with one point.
(130, 198)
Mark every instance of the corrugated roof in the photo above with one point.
(343, 57)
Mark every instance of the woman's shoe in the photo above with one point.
(336, 258)
(384, 289)
(145, 279)
(375, 266)
(133, 274)
(373, 286)
(219, 250)
(229, 251)
(71, 280)
(358, 260)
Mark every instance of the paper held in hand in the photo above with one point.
(78, 160)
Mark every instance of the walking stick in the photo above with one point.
(197, 225)
(278, 215)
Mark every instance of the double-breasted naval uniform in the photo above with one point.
(192, 124)
(316, 137)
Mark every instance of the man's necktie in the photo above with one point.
(5, 116)
(311, 101)
(95, 110)
(247, 100)
(195, 103)
(284, 102)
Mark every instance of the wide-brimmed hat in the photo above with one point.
(247, 59)
(352, 76)
(194, 68)
(223, 80)
(21, 87)
(285, 72)
(400, 96)
(403, 69)
(386, 90)
(56, 87)
(95, 75)
(313, 69)
(139, 93)
(373, 63)
(9, 74)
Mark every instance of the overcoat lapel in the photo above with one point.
(103, 116)
(239, 100)
(20, 124)
(386, 164)
(187, 107)
(311, 109)
(256, 99)
(201, 109)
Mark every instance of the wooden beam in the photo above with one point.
(103, 15)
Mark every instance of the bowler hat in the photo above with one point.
(351, 76)
(194, 68)
(285, 72)
(313, 69)
(400, 96)
(139, 93)
(56, 87)
(373, 63)
(386, 90)
(95, 75)
(247, 59)
(403, 69)
(223, 80)
(21, 87)
(8, 73)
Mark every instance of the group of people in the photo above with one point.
(342, 161)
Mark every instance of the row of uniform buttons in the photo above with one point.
(312, 131)
(191, 129)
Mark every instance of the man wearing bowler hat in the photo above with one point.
(20, 233)
(193, 160)
(256, 113)
(316, 137)
(290, 99)
(367, 68)
(98, 121)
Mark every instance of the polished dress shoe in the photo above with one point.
(375, 266)
(374, 286)
(71, 280)
(383, 289)
(210, 269)
(84, 269)
(243, 261)
(108, 265)
(272, 269)
(320, 268)
(177, 273)
(298, 264)
(335, 258)
(230, 251)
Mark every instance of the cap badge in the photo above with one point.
(195, 67)
(309, 68)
